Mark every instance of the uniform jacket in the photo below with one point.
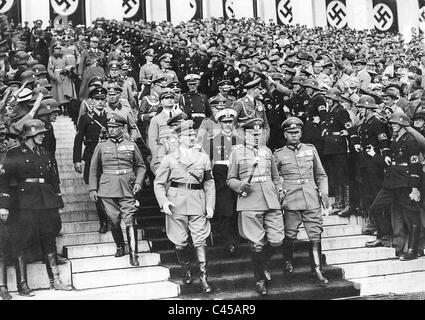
(406, 172)
(113, 155)
(303, 176)
(22, 163)
(147, 72)
(126, 113)
(88, 131)
(337, 120)
(176, 167)
(196, 107)
(157, 122)
(263, 195)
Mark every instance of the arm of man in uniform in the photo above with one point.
(4, 197)
(233, 180)
(132, 127)
(275, 174)
(160, 186)
(415, 171)
(96, 162)
(153, 133)
(209, 187)
(140, 169)
(321, 178)
(78, 146)
(82, 63)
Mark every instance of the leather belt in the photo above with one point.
(198, 115)
(35, 180)
(299, 181)
(118, 172)
(189, 186)
(400, 164)
(333, 134)
(261, 179)
(222, 162)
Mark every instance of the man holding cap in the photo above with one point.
(196, 104)
(185, 190)
(254, 177)
(122, 173)
(300, 168)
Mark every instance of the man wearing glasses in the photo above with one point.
(92, 63)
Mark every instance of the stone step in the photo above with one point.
(346, 242)
(144, 291)
(69, 228)
(381, 268)
(112, 263)
(37, 276)
(72, 197)
(334, 257)
(78, 206)
(79, 216)
(72, 180)
(98, 250)
(119, 277)
(71, 239)
(392, 284)
(334, 231)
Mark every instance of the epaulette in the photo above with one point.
(310, 145)
(280, 149)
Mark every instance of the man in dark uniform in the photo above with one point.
(90, 129)
(371, 144)
(305, 188)
(224, 88)
(122, 171)
(214, 73)
(245, 78)
(219, 149)
(232, 75)
(400, 190)
(315, 113)
(299, 99)
(254, 176)
(38, 199)
(131, 60)
(335, 152)
(196, 104)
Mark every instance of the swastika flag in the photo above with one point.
(64, 11)
(422, 15)
(284, 12)
(385, 16)
(12, 9)
(134, 10)
(228, 9)
(336, 13)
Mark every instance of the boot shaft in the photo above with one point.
(132, 239)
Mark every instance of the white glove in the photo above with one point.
(4, 215)
(210, 213)
(168, 208)
(415, 195)
(357, 147)
(371, 151)
(387, 160)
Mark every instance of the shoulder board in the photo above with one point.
(309, 145)
(280, 149)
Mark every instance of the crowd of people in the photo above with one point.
(248, 124)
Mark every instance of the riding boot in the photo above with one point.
(260, 281)
(201, 253)
(347, 207)
(337, 206)
(132, 245)
(316, 260)
(21, 278)
(183, 257)
(50, 275)
(4, 293)
(268, 254)
(119, 241)
(412, 252)
(103, 219)
(288, 256)
(57, 283)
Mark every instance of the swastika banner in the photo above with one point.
(336, 13)
(284, 12)
(385, 16)
(64, 11)
(422, 15)
(229, 9)
(134, 10)
(185, 10)
(12, 9)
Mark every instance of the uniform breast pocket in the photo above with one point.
(125, 155)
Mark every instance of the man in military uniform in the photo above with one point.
(315, 113)
(165, 61)
(305, 188)
(219, 149)
(129, 59)
(400, 190)
(335, 152)
(299, 99)
(147, 72)
(90, 130)
(224, 88)
(249, 107)
(115, 106)
(122, 173)
(370, 141)
(6, 144)
(185, 190)
(254, 177)
(87, 104)
(92, 63)
(196, 106)
(115, 77)
(37, 203)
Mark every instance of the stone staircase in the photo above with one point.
(352, 269)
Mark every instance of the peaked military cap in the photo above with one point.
(185, 128)
(253, 84)
(292, 124)
(113, 88)
(115, 120)
(98, 93)
(226, 115)
(167, 93)
(177, 119)
(253, 124)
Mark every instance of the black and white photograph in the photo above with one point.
(212, 151)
